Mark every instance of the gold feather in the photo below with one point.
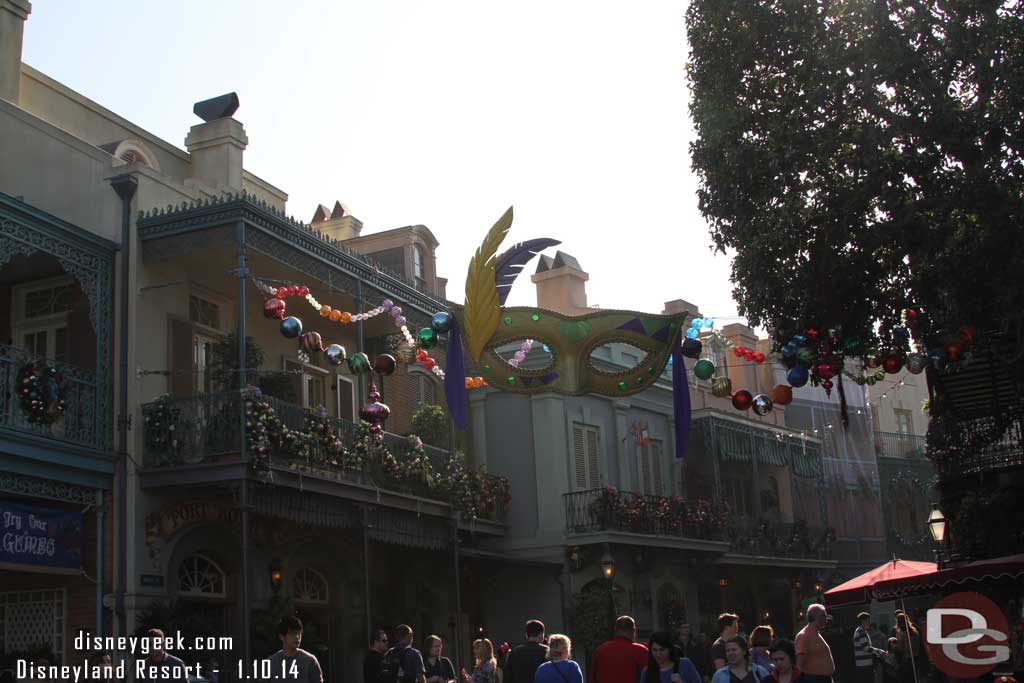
(483, 309)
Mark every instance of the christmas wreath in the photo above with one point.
(41, 394)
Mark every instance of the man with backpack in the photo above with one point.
(402, 663)
(525, 659)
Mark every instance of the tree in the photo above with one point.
(861, 157)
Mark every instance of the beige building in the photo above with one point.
(127, 264)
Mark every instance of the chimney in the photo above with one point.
(561, 284)
(216, 145)
(339, 224)
(677, 306)
(13, 14)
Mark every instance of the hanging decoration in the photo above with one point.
(414, 350)
(641, 437)
(41, 394)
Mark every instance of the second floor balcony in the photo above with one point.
(199, 432)
(899, 445)
(700, 524)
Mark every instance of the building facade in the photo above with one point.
(181, 487)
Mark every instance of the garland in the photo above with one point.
(670, 515)
(319, 444)
(41, 394)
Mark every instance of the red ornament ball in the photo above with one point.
(742, 400)
(813, 335)
(429, 363)
(738, 351)
(759, 357)
(303, 291)
(273, 309)
(892, 363)
(422, 356)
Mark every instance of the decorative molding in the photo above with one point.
(36, 487)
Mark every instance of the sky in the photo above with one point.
(438, 113)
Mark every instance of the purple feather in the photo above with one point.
(511, 262)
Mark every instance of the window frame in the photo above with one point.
(197, 594)
(50, 323)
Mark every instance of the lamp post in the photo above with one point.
(608, 572)
(937, 526)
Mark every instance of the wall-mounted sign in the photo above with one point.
(151, 580)
(33, 537)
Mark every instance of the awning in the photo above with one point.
(1010, 567)
(859, 590)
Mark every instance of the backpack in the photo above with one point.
(391, 664)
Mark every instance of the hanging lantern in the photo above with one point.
(742, 400)
(704, 369)
(721, 387)
(374, 412)
(762, 404)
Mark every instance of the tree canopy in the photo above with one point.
(862, 157)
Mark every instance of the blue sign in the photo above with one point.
(38, 537)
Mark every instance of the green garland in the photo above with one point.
(469, 490)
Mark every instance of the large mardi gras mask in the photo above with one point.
(485, 326)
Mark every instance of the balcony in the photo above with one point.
(600, 511)
(78, 388)
(793, 540)
(204, 431)
(896, 445)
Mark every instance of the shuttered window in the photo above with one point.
(586, 448)
(650, 468)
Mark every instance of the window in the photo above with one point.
(418, 271)
(770, 497)
(28, 618)
(345, 396)
(586, 447)
(41, 317)
(312, 383)
(904, 421)
(202, 361)
(203, 312)
(736, 492)
(650, 468)
(309, 586)
(425, 388)
(199, 575)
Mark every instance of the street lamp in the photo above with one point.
(937, 524)
(608, 565)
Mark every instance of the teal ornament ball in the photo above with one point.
(291, 327)
(441, 322)
(704, 369)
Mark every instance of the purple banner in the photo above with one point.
(40, 537)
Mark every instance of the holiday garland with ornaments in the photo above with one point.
(40, 392)
(614, 508)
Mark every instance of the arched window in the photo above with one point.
(309, 586)
(200, 576)
(135, 151)
(418, 270)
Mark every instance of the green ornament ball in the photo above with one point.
(806, 357)
(427, 338)
(704, 369)
(359, 363)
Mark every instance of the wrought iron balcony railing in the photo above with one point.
(774, 539)
(896, 445)
(77, 388)
(608, 509)
(206, 429)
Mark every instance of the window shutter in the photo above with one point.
(346, 399)
(594, 471)
(654, 451)
(644, 463)
(181, 380)
(579, 458)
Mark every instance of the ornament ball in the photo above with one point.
(704, 368)
(797, 376)
(385, 364)
(441, 322)
(335, 354)
(742, 400)
(762, 404)
(291, 327)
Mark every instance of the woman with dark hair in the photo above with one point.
(664, 665)
(783, 653)
(739, 668)
(760, 641)
(906, 647)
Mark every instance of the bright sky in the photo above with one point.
(442, 113)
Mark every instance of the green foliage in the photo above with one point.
(224, 370)
(430, 423)
(594, 617)
(861, 157)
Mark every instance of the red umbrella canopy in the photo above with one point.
(855, 591)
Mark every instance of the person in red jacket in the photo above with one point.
(619, 660)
